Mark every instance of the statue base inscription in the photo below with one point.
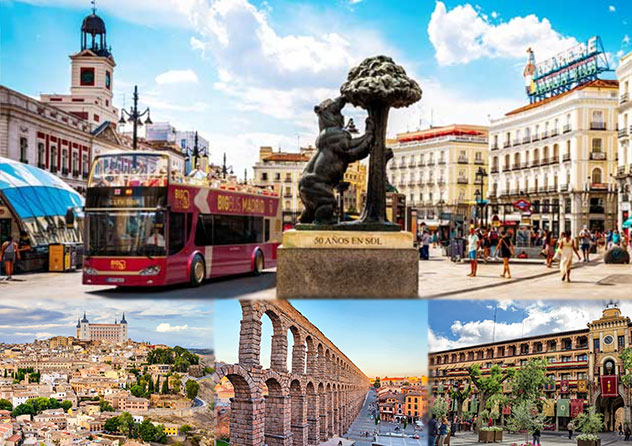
(347, 264)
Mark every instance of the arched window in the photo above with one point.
(596, 176)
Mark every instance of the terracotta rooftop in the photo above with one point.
(436, 132)
(288, 157)
(598, 83)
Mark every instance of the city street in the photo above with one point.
(438, 277)
(547, 439)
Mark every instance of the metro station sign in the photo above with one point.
(522, 204)
(566, 70)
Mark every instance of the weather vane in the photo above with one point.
(94, 6)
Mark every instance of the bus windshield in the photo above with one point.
(129, 170)
(126, 233)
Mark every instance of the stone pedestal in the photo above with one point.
(347, 264)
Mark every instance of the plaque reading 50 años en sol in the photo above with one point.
(347, 239)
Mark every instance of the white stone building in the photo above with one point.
(436, 169)
(624, 173)
(560, 155)
(114, 333)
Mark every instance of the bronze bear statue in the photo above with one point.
(335, 150)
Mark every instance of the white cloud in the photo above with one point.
(166, 327)
(177, 77)
(626, 39)
(611, 8)
(463, 34)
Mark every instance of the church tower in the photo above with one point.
(92, 74)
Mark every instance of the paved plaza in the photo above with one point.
(387, 434)
(547, 439)
(438, 277)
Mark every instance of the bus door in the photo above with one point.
(177, 257)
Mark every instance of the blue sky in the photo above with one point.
(248, 73)
(473, 321)
(187, 323)
(381, 337)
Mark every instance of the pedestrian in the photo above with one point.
(425, 245)
(585, 237)
(435, 238)
(506, 248)
(9, 253)
(620, 428)
(433, 430)
(444, 429)
(493, 241)
(549, 248)
(473, 244)
(536, 436)
(616, 238)
(627, 432)
(567, 247)
(487, 245)
(570, 426)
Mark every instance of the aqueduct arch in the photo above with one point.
(317, 399)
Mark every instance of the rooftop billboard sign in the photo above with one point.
(575, 66)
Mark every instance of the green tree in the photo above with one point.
(589, 424)
(528, 382)
(165, 387)
(147, 431)
(66, 405)
(626, 360)
(23, 409)
(112, 425)
(105, 406)
(150, 386)
(176, 384)
(488, 385)
(160, 436)
(377, 384)
(525, 416)
(5, 404)
(185, 429)
(138, 391)
(459, 396)
(191, 388)
(126, 423)
(440, 407)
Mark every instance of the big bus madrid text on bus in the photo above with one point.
(146, 225)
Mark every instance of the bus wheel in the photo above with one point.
(197, 271)
(259, 265)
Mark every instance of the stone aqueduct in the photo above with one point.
(317, 399)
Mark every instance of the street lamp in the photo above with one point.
(226, 169)
(196, 152)
(134, 116)
(481, 174)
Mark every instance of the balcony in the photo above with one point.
(551, 189)
(506, 144)
(564, 188)
(597, 156)
(524, 165)
(533, 189)
(515, 166)
(566, 157)
(554, 132)
(545, 161)
(516, 142)
(535, 163)
(625, 198)
(492, 194)
(287, 180)
(462, 160)
(479, 162)
(495, 147)
(393, 166)
(545, 134)
(441, 162)
(75, 173)
(625, 97)
(494, 169)
(595, 125)
(421, 164)
(536, 137)
(441, 182)
(287, 195)
(622, 133)
(598, 187)
(566, 128)
(64, 171)
(431, 163)
(555, 159)
(462, 181)
(506, 168)
(412, 164)
(430, 182)
(53, 169)
(620, 170)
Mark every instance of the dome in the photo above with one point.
(93, 24)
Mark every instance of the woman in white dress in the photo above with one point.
(567, 247)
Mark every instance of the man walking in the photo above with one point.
(9, 253)
(585, 238)
(473, 243)
(433, 430)
(570, 426)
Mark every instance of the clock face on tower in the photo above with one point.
(87, 76)
(108, 80)
(608, 340)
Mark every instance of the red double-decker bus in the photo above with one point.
(147, 226)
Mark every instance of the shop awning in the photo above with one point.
(33, 192)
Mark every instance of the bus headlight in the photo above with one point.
(90, 271)
(151, 271)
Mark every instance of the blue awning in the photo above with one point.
(33, 192)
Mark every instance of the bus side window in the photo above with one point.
(266, 237)
(189, 224)
(176, 232)
(204, 230)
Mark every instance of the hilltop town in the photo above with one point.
(99, 389)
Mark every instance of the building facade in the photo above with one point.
(584, 365)
(115, 333)
(437, 170)
(624, 171)
(560, 156)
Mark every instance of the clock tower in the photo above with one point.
(92, 75)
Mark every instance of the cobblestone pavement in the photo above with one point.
(364, 423)
(547, 439)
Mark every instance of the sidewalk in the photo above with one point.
(547, 439)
